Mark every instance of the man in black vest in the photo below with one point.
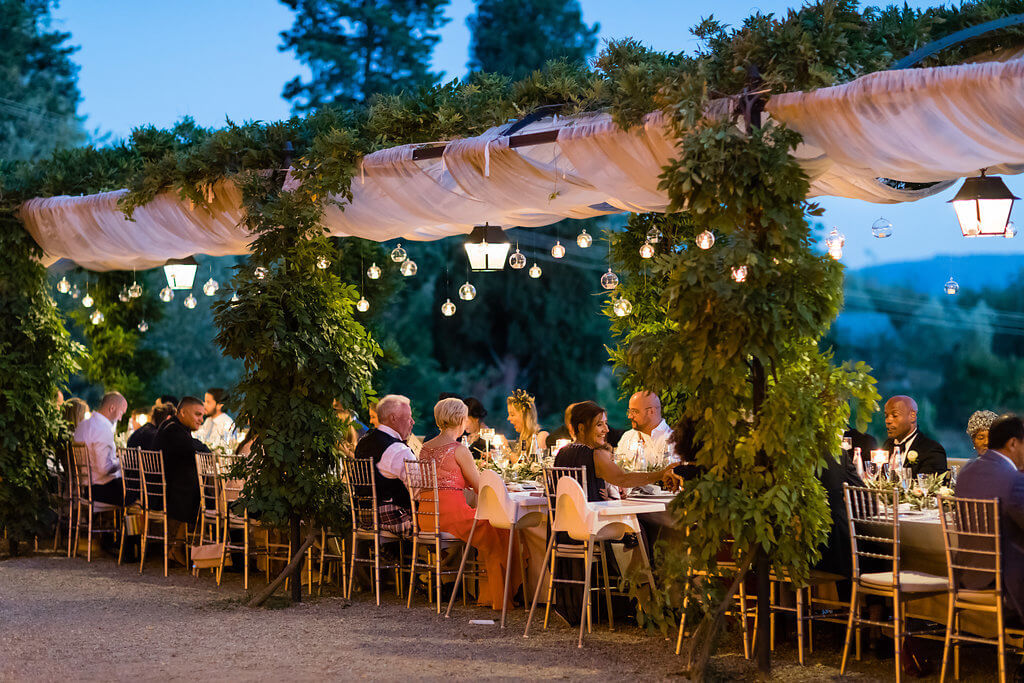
(921, 454)
(385, 445)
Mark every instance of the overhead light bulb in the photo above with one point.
(706, 239)
(448, 308)
(609, 280)
(584, 240)
(467, 292)
(373, 272)
(558, 251)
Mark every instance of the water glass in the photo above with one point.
(906, 477)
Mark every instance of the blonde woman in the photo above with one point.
(522, 413)
(456, 472)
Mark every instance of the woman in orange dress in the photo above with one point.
(456, 472)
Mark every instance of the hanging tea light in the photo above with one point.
(143, 326)
(558, 251)
(210, 287)
(835, 242)
(190, 301)
(951, 287)
(373, 272)
(362, 305)
(622, 307)
(535, 271)
(87, 300)
(234, 298)
(881, 228)
(409, 268)
(983, 205)
(1011, 231)
(739, 273)
(166, 294)
(135, 291)
(63, 285)
(609, 280)
(706, 239)
(517, 260)
(323, 263)
(96, 318)
(467, 292)
(584, 240)
(123, 295)
(398, 254)
(75, 292)
(647, 250)
(654, 235)
(260, 273)
(448, 308)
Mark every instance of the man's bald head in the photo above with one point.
(644, 411)
(113, 406)
(900, 416)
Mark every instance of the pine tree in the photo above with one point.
(515, 37)
(38, 91)
(357, 48)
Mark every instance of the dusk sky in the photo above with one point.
(145, 63)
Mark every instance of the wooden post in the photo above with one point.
(298, 553)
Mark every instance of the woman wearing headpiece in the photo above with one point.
(522, 413)
(977, 429)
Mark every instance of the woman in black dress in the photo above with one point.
(589, 422)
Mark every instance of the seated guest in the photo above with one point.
(474, 423)
(144, 435)
(684, 439)
(168, 399)
(218, 429)
(836, 555)
(563, 431)
(386, 446)
(75, 410)
(921, 454)
(977, 429)
(354, 429)
(174, 440)
(995, 474)
(865, 442)
(650, 433)
(371, 409)
(456, 472)
(97, 433)
(522, 414)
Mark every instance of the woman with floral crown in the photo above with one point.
(522, 413)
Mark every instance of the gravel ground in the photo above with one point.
(68, 619)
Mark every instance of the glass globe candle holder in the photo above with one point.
(951, 287)
(467, 292)
(190, 301)
(739, 274)
(647, 250)
(96, 318)
(323, 263)
(260, 273)
(123, 295)
(210, 287)
(706, 239)
(1011, 231)
(398, 254)
(142, 326)
(373, 272)
(135, 291)
(448, 308)
(362, 305)
(622, 307)
(517, 260)
(166, 294)
(654, 235)
(558, 251)
(881, 228)
(87, 300)
(64, 285)
(535, 271)
(584, 240)
(75, 292)
(409, 268)
(609, 280)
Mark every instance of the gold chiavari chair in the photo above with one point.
(421, 478)
(131, 482)
(84, 503)
(210, 518)
(362, 489)
(586, 552)
(154, 495)
(970, 529)
(66, 497)
(875, 537)
(236, 517)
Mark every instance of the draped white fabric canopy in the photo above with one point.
(916, 125)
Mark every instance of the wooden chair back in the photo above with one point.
(970, 531)
(362, 490)
(206, 470)
(131, 472)
(81, 469)
(154, 485)
(874, 527)
(421, 478)
(551, 477)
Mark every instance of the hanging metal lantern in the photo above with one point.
(373, 272)
(584, 240)
(609, 280)
(983, 206)
(486, 248)
(467, 292)
(706, 239)
(181, 272)
(398, 254)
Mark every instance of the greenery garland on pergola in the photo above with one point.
(767, 403)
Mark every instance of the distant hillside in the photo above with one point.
(972, 272)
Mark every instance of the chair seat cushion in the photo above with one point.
(910, 581)
(428, 537)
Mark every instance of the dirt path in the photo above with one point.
(66, 619)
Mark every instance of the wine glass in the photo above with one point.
(871, 469)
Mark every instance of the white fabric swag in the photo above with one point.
(916, 125)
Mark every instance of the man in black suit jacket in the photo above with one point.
(995, 474)
(921, 454)
(174, 440)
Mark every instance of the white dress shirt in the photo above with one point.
(97, 433)
(216, 431)
(392, 461)
(654, 445)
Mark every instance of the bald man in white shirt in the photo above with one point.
(97, 433)
(650, 432)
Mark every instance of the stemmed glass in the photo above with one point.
(487, 434)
